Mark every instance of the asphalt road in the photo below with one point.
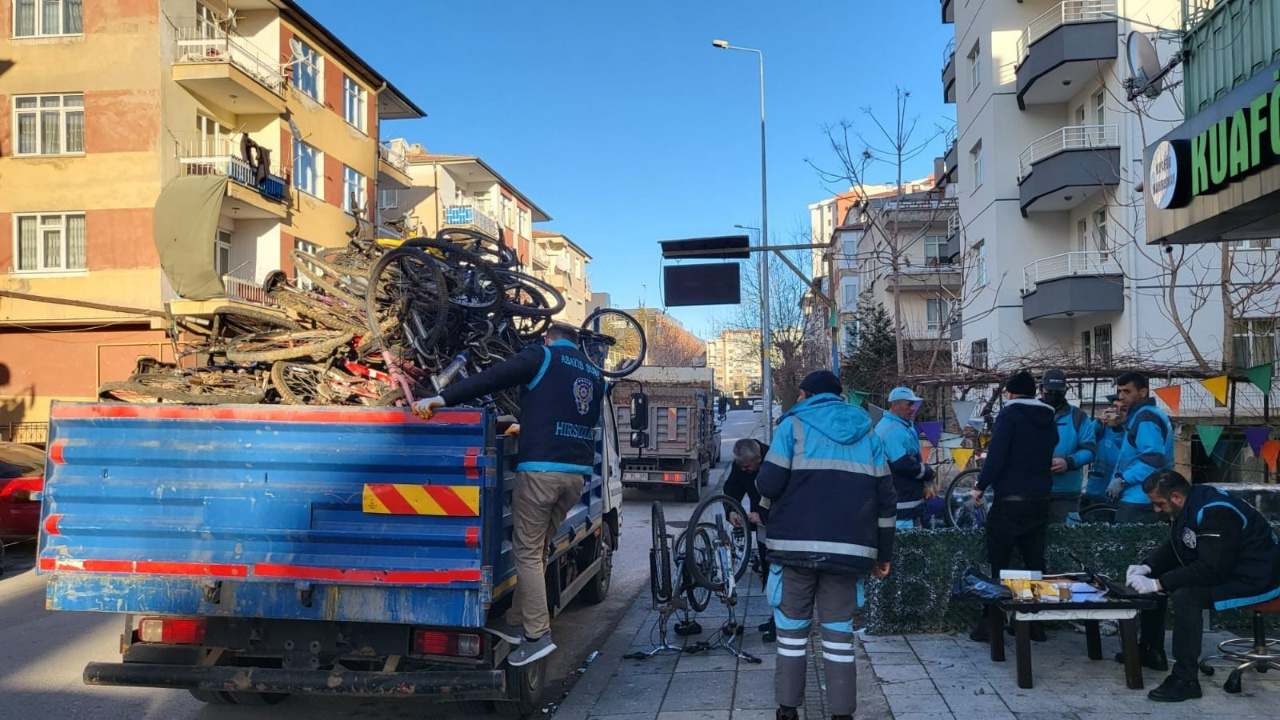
(43, 653)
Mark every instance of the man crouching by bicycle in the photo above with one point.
(832, 515)
(559, 411)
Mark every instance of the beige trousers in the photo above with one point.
(539, 503)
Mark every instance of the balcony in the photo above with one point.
(246, 290)
(252, 192)
(1067, 167)
(918, 279)
(953, 235)
(1072, 283)
(228, 71)
(393, 167)
(541, 261)
(1060, 50)
(469, 217)
(949, 72)
(948, 12)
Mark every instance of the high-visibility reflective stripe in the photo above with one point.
(778, 459)
(798, 432)
(790, 653)
(836, 645)
(791, 641)
(909, 505)
(840, 466)
(836, 658)
(814, 546)
(887, 522)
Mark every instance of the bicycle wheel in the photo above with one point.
(659, 558)
(613, 342)
(490, 249)
(285, 345)
(473, 282)
(713, 516)
(699, 596)
(1102, 514)
(961, 510)
(407, 304)
(527, 296)
(348, 286)
(203, 386)
(299, 383)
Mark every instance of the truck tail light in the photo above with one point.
(436, 642)
(171, 631)
(674, 477)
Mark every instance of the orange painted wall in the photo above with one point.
(121, 121)
(333, 86)
(332, 180)
(97, 16)
(6, 122)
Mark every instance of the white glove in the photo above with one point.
(1144, 584)
(1116, 489)
(427, 407)
(1133, 570)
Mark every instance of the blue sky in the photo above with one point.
(623, 122)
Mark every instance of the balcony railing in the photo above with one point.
(221, 157)
(244, 289)
(457, 215)
(393, 158)
(949, 52)
(540, 257)
(938, 204)
(207, 44)
(1064, 13)
(953, 224)
(1072, 137)
(1085, 262)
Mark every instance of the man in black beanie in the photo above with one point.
(1018, 469)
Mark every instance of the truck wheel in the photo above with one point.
(524, 688)
(595, 591)
(704, 477)
(693, 494)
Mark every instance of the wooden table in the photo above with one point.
(1122, 610)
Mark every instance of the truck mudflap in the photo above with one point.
(452, 685)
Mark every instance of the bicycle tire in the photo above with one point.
(489, 248)
(319, 312)
(326, 277)
(400, 284)
(634, 338)
(250, 320)
(287, 377)
(1099, 514)
(177, 389)
(122, 391)
(659, 557)
(717, 527)
(699, 597)
(962, 513)
(265, 347)
(459, 259)
(515, 283)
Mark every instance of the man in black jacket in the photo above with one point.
(559, 412)
(1221, 553)
(741, 483)
(1018, 469)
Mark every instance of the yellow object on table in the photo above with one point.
(1039, 590)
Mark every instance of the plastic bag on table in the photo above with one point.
(973, 585)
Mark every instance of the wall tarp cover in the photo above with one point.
(185, 225)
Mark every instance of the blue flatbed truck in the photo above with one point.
(259, 551)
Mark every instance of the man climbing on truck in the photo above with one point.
(559, 412)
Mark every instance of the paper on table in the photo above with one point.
(1080, 588)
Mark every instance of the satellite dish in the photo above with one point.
(1146, 76)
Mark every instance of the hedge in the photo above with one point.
(916, 596)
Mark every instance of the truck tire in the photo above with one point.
(597, 590)
(524, 688)
(693, 494)
(704, 477)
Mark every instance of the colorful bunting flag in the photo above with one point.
(1257, 437)
(1209, 436)
(916, 408)
(1217, 386)
(1219, 455)
(962, 456)
(857, 397)
(963, 410)
(1261, 375)
(931, 430)
(1172, 396)
(925, 452)
(1270, 452)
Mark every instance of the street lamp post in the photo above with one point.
(766, 369)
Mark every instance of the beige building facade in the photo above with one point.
(561, 263)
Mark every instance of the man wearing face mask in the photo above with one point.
(1221, 554)
(1075, 449)
(1108, 436)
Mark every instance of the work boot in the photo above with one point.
(1175, 689)
(786, 713)
(1153, 658)
(766, 625)
(768, 632)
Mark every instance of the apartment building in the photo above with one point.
(460, 191)
(1047, 163)
(105, 105)
(735, 357)
(560, 262)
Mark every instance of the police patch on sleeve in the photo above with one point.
(583, 392)
(1189, 538)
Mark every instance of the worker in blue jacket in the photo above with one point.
(1146, 448)
(1109, 431)
(1075, 449)
(902, 444)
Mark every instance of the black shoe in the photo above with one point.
(1037, 633)
(981, 632)
(1152, 658)
(785, 713)
(1175, 689)
(768, 636)
(767, 625)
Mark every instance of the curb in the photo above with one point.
(591, 684)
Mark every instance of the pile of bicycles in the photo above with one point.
(377, 322)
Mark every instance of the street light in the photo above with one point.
(766, 369)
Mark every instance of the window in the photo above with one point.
(49, 124)
(1258, 244)
(306, 169)
(975, 164)
(37, 18)
(850, 297)
(978, 354)
(980, 264)
(302, 281)
(1100, 108)
(935, 249)
(222, 253)
(353, 189)
(975, 67)
(526, 228)
(1254, 342)
(1082, 234)
(1086, 348)
(508, 214)
(388, 199)
(53, 242)
(939, 312)
(215, 138)
(1102, 344)
(1100, 227)
(306, 68)
(354, 99)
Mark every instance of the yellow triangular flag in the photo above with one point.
(962, 456)
(1217, 386)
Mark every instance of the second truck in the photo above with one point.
(676, 444)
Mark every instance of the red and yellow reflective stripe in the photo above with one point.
(447, 500)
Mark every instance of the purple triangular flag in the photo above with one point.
(1257, 437)
(931, 430)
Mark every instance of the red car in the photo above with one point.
(21, 488)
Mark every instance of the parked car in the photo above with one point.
(21, 486)
(757, 406)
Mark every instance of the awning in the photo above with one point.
(185, 225)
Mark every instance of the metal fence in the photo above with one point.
(1085, 262)
(221, 156)
(30, 433)
(239, 288)
(457, 215)
(208, 44)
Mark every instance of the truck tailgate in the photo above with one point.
(359, 514)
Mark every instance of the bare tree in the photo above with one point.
(669, 344)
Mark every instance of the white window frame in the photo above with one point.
(849, 298)
(388, 199)
(1082, 234)
(355, 104)
(43, 226)
(354, 181)
(525, 228)
(1100, 107)
(935, 249)
(940, 309)
(63, 111)
(302, 281)
(1101, 242)
(975, 166)
(1259, 244)
(1249, 330)
(309, 58)
(980, 264)
(313, 183)
(975, 66)
(40, 30)
(508, 216)
(222, 241)
(1104, 351)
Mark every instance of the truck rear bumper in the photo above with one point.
(460, 685)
